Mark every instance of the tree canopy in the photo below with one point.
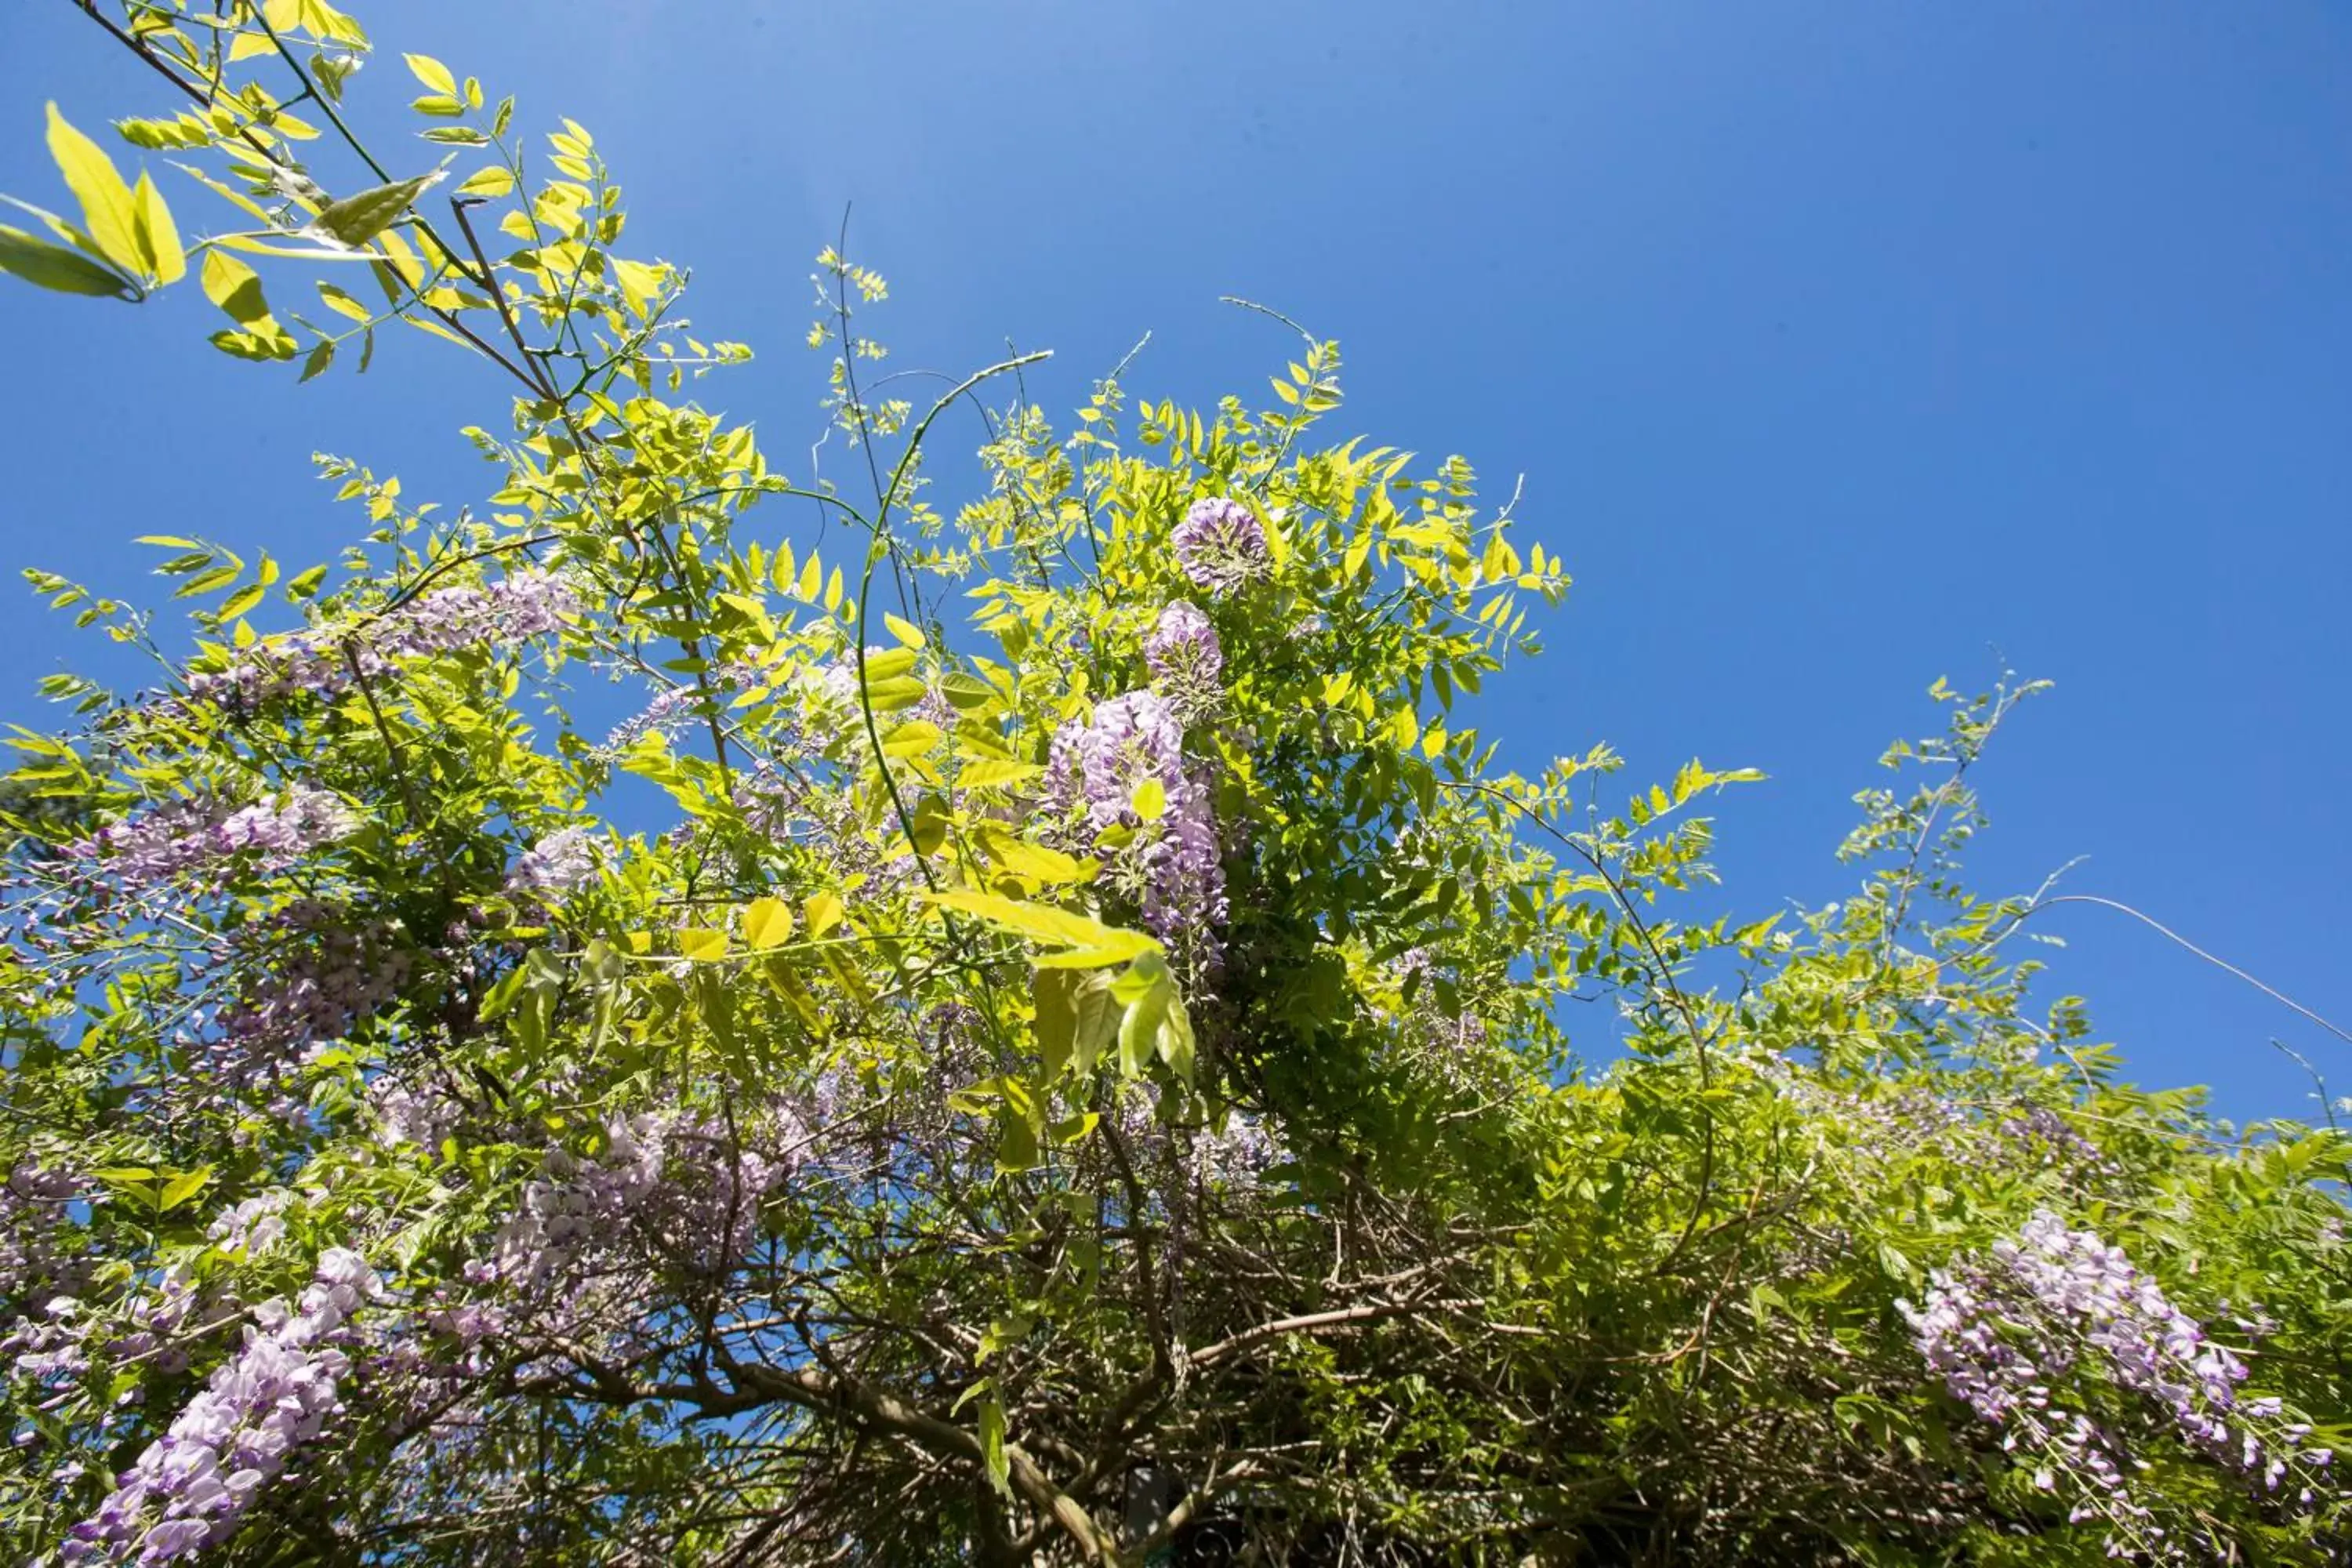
(683, 1013)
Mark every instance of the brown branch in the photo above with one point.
(825, 1392)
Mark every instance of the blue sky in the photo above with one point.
(1841, 347)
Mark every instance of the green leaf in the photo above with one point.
(1053, 1000)
(109, 211)
(1016, 1140)
(182, 1187)
(432, 73)
(357, 220)
(767, 923)
(991, 773)
(1174, 1036)
(1034, 861)
(1149, 800)
(495, 181)
(159, 237)
(48, 266)
(1089, 943)
(234, 288)
(991, 1446)
(1138, 1027)
(911, 739)
(823, 912)
(701, 946)
(318, 360)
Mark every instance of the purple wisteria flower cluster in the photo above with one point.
(328, 659)
(42, 1251)
(191, 1487)
(251, 1226)
(1171, 866)
(175, 840)
(2009, 1333)
(309, 974)
(557, 866)
(154, 1325)
(1221, 545)
(672, 1177)
(1185, 659)
(1235, 1156)
(417, 1114)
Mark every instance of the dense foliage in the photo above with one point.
(1041, 1035)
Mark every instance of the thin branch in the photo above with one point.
(2175, 937)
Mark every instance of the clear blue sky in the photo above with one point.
(1842, 347)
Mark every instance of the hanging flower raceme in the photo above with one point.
(328, 659)
(671, 1177)
(1221, 545)
(1184, 657)
(2008, 1334)
(191, 1486)
(42, 1250)
(307, 976)
(559, 864)
(174, 841)
(1171, 862)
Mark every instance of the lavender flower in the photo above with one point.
(191, 1487)
(40, 1246)
(561, 863)
(2008, 1335)
(1185, 657)
(1221, 545)
(253, 1226)
(406, 1115)
(184, 837)
(1171, 866)
(328, 659)
(661, 1177)
(310, 973)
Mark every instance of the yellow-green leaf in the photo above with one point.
(109, 211)
(1034, 861)
(640, 284)
(495, 181)
(343, 304)
(182, 1187)
(159, 237)
(986, 773)
(911, 739)
(233, 287)
(767, 923)
(48, 266)
(905, 631)
(432, 73)
(701, 946)
(823, 911)
(1089, 943)
(357, 220)
(890, 663)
